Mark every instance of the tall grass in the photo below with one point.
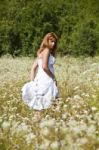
(72, 123)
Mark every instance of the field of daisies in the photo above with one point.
(70, 124)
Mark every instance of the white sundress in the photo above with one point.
(42, 91)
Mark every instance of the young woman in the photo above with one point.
(42, 90)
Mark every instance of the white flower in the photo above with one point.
(29, 137)
(76, 129)
(96, 83)
(72, 122)
(84, 72)
(54, 145)
(77, 97)
(97, 74)
(64, 116)
(76, 88)
(47, 116)
(74, 106)
(82, 141)
(65, 106)
(49, 123)
(21, 128)
(93, 108)
(11, 117)
(45, 144)
(97, 117)
(87, 95)
(94, 64)
(5, 125)
(45, 131)
(91, 130)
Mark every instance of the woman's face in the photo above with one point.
(52, 42)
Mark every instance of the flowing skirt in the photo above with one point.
(39, 94)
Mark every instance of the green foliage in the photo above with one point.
(23, 25)
(85, 39)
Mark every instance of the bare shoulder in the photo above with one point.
(46, 52)
(43, 53)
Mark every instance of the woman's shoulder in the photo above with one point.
(46, 51)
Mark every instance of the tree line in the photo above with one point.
(23, 25)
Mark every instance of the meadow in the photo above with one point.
(71, 124)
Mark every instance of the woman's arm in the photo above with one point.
(33, 70)
(46, 54)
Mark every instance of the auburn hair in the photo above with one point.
(45, 43)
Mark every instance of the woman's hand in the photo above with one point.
(55, 81)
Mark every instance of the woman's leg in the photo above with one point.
(38, 115)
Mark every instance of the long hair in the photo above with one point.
(45, 43)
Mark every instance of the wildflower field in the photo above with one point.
(71, 124)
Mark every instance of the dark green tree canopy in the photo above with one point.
(23, 25)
